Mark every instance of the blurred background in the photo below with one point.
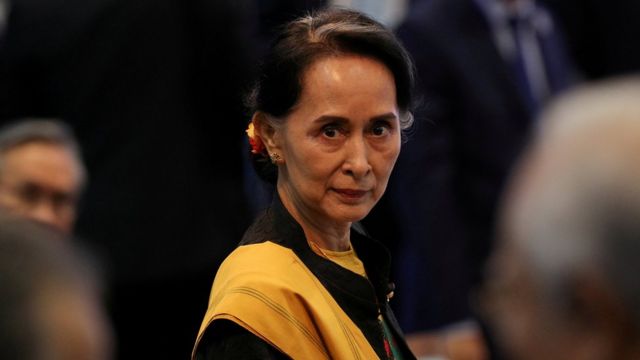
(153, 92)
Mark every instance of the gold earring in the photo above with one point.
(275, 158)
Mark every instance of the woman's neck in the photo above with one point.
(328, 235)
(328, 240)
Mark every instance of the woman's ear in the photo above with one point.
(266, 130)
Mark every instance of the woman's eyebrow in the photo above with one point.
(387, 116)
(341, 119)
(331, 119)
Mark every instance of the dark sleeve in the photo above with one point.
(227, 340)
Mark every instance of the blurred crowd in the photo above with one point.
(123, 132)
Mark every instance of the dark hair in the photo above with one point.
(29, 130)
(329, 32)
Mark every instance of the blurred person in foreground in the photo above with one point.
(563, 282)
(306, 281)
(41, 172)
(49, 297)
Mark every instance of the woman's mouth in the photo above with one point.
(351, 195)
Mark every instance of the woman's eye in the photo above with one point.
(380, 130)
(330, 131)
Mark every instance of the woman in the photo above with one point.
(306, 282)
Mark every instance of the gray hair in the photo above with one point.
(30, 130)
(575, 206)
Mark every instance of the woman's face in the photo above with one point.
(340, 142)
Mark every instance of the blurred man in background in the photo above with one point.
(41, 172)
(564, 281)
(486, 68)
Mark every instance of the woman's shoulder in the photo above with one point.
(260, 262)
(266, 255)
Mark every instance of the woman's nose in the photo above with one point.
(356, 162)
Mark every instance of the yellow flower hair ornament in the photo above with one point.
(257, 146)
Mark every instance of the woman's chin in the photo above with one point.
(350, 214)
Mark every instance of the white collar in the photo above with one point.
(498, 13)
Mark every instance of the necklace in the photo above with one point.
(318, 250)
(332, 254)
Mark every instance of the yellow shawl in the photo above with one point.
(284, 304)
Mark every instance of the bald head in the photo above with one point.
(570, 230)
(580, 178)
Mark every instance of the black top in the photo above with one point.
(359, 297)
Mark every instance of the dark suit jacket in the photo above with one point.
(451, 172)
